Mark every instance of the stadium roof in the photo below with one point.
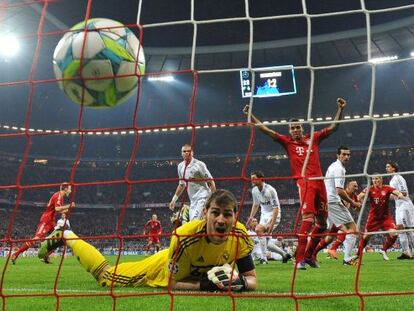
(223, 31)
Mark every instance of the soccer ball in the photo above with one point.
(90, 70)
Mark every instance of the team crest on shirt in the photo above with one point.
(173, 267)
(383, 193)
(226, 255)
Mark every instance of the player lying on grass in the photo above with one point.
(202, 255)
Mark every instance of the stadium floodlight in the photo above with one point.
(167, 78)
(9, 46)
(412, 54)
(377, 60)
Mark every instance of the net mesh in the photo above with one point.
(131, 176)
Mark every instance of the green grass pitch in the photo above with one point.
(30, 276)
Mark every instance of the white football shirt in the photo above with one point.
(267, 199)
(336, 171)
(398, 182)
(194, 171)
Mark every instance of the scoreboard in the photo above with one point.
(268, 82)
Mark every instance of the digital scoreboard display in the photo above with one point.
(268, 82)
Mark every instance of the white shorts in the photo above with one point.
(265, 218)
(404, 216)
(338, 215)
(196, 208)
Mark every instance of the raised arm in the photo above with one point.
(259, 124)
(338, 116)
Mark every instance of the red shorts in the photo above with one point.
(155, 239)
(380, 225)
(43, 229)
(312, 194)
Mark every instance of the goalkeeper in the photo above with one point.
(202, 255)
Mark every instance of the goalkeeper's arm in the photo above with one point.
(223, 278)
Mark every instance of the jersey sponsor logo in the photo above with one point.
(300, 150)
(376, 200)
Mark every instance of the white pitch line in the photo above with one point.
(62, 291)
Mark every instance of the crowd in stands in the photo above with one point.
(102, 208)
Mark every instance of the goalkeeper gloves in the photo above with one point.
(218, 279)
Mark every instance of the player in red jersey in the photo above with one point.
(154, 228)
(379, 217)
(312, 193)
(47, 221)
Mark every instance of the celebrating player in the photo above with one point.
(404, 211)
(202, 255)
(379, 217)
(193, 174)
(265, 197)
(154, 228)
(47, 221)
(338, 214)
(312, 193)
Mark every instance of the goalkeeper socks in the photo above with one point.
(88, 256)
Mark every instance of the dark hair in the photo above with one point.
(350, 180)
(394, 165)
(293, 120)
(222, 197)
(258, 174)
(342, 147)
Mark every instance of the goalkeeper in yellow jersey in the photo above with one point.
(202, 255)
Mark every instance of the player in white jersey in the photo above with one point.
(404, 211)
(63, 223)
(265, 197)
(338, 213)
(257, 250)
(194, 176)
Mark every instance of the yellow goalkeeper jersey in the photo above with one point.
(189, 255)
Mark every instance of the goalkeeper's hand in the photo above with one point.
(219, 278)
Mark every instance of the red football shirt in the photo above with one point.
(48, 215)
(297, 150)
(153, 225)
(379, 199)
